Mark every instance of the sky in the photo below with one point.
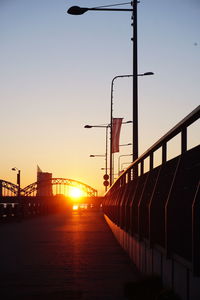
(56, 72)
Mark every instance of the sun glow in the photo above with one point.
(75, 193)
(75, 207)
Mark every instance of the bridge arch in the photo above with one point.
(56, 186)
(8, 188)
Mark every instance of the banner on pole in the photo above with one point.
(116, 128)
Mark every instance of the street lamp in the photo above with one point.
(135, 120)
(76, 10)
(106, 127)
(18, 179)
(106, 175)
(119, 160)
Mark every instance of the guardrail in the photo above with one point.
(160, 208)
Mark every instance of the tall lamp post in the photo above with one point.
(106, 175)
(106, 127)
(135, 83)
(18, 180)
(76, 10)
(135, 120)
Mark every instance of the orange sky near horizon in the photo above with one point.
(56, 73)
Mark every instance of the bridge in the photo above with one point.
(153, 212)
(45, 188)
(42, 197)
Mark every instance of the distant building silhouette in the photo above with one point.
(44, 183)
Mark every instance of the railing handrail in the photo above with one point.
(181, 126)
(188, 120)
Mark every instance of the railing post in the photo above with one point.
(129, 175)
(142, 167)
(184, 140)
(164, 153)
(151, 161)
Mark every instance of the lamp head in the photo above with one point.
(13, 169)
(77, 10)
(148, 73)
(87, 126)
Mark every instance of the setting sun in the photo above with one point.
(75, 192)
(75, 207)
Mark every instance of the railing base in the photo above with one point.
(175, 273)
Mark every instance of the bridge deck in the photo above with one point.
(62, 257)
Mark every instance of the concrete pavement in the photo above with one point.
(62, 257)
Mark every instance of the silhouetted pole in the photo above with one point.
(135, 136)
(76, 10)
(111, 124)
(19, 182)
(135, 85)
(106, 159)
(106, 153)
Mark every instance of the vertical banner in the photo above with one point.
(116, 128)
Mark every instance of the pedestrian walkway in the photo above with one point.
(62, 257)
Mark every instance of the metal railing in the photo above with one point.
(181, 127)
(161, 205)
